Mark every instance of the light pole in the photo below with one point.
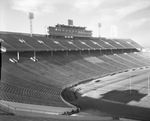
(31, 16)
(99, 26)
(148, 85)
(130, 84)
(114, 31)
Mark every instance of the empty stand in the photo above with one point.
(33, 43)
(131, 58)
(54, 45)
(61, 62)
(103, 43)
(138, 57)
(124, 61)
(67, 44)
(19, 42)
(133, 43)
(115, 44)
(124, 42)
(11, 41)
(29, 82)
(26, 92)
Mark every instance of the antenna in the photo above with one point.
(31, 16)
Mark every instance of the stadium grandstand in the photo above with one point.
(55, 77)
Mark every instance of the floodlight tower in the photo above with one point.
(31, 16)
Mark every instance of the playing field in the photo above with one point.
(125, 94)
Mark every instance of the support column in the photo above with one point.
(111, 51)
(148, 85)
(52, 53)
(34, 55)
(89, 52)
(100, 52)
(80, 51)
(130, 84)
(18, 56)
(67, 52)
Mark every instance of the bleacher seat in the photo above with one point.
(41, 82)
(24, 42)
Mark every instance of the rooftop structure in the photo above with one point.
(68, 31)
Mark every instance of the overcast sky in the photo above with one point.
(129, 18)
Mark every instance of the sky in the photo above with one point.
(118, 18)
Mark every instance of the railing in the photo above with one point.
(13, 109)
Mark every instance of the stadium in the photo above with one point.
(68, 75)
